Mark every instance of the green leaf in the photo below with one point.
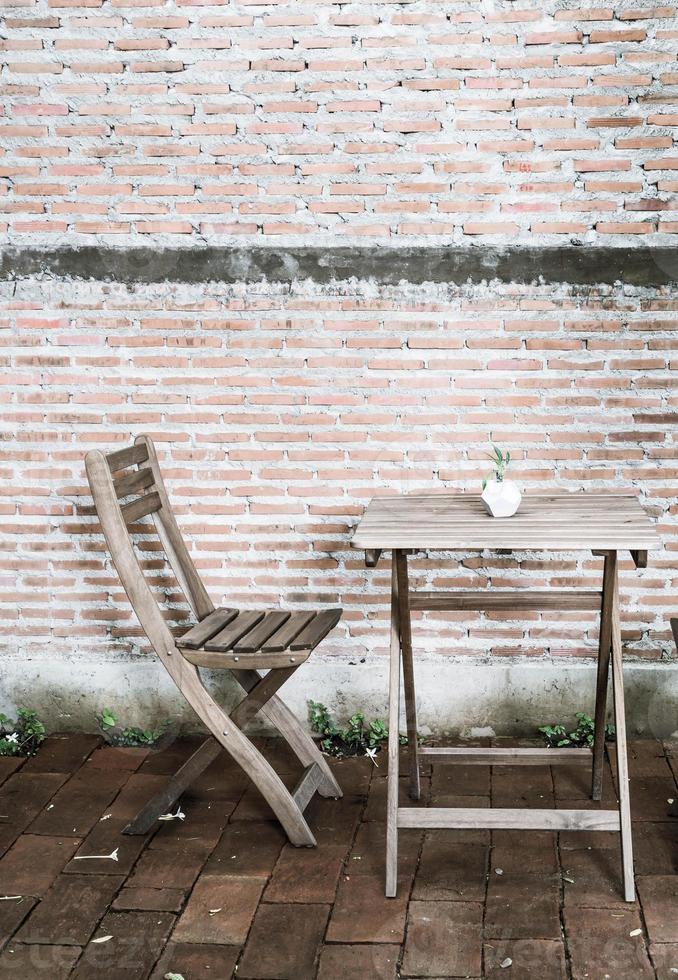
(107, 719)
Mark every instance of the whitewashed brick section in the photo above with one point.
(302, 121)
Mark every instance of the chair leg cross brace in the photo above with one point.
(261, 697)
(180, 781)
(609, 656)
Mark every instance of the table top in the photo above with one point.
(553, 522)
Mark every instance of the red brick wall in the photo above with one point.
(538, 122)
(281, 409)
(279, 412)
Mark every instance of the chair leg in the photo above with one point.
(262, 774)
(303, 746)
(408, 672)
(393, 742)
(261, 689)
(622, 760)
(163, 801)
(604, 643)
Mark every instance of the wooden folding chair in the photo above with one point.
(244, 643)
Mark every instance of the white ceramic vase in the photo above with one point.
(501, 498)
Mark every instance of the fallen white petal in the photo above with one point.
(507, 962)
(635, 932)
(214, 911)
(106, 816)
(102, 939)
(173, 816)
(173, 976)
(113, 856)
(499, 871)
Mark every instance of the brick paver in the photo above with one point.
(33, 863)
(451, 871)
(659, 895)
(443, 939)
(308, 876)
(71, 910)
(79, 803)
(362, 914)
(522, 906)
(136, 942)
(220, 894)
(38, 962)
(284, 942)
(22, 797)
(197, 960)
(607, 942)
(379, 962)
(525, 959)
(665, 959)
(220, 910)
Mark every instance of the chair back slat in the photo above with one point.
(132, 482)
(150, 503)
(121, 459)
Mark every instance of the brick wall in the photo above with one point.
(537, 121)
(280, 412)
(281, 407)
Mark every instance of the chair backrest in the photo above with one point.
(126, 486)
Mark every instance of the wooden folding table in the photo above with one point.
(602, 523)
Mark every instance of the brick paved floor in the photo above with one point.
(221, 894)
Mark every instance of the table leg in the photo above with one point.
(408, 671)
(620, 726)
(393, 739)
(604, 644)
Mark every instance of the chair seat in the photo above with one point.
(256, 638)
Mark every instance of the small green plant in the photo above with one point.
(500, 461)
(23, 736)
(558, 737)
(129, 737)
(358, 738)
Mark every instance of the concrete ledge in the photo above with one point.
(508, 698)
(385, 265)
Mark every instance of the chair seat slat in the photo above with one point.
(148, 504)
(133, 482)
(282, 638)
(227, 638)
(237, 660)
(207, 628)
(122, 458)
(253, 640)
(319, 627)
